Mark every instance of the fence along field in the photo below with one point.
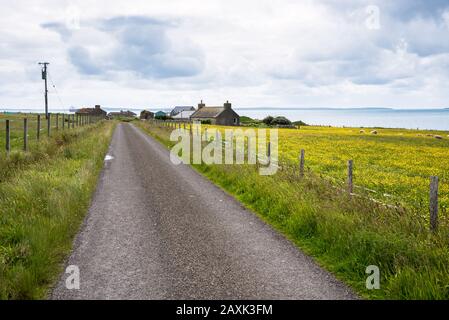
(19, 131)
(407, 169)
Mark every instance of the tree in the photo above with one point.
(283, 121)
(268, 120)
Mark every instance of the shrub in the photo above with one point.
(268, 120)
(281, 121)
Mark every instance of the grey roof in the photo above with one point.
(179, 109)
(208, 112)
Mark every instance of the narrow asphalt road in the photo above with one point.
(160, 231)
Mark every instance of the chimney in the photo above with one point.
(97, 106)
(227, 105)
(201, 105)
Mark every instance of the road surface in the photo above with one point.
(160, 231)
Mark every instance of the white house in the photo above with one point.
(183, 115)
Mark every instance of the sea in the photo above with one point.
(422, 119)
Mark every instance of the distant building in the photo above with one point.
(184, 115)
(217, 115)
(178, 110)
(97, 111)
(145, 115)
(125, 114)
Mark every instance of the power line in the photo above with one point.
(57, 94)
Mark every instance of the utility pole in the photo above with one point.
(44, 77)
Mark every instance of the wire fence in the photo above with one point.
(429, 202)
(22, 129)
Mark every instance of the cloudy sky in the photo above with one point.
(255, 53)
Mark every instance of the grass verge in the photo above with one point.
(44, 196)
(344, 234)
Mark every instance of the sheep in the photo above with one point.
(438, 137)
(374, 132)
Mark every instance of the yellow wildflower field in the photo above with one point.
(394, 164)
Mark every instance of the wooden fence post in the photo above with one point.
(57, 121)
(25, 134)
(269, 152)
(301, 162)
(433, 203)
(350, 176)
(63, 121)
(38, 133)
(8, 136)
(73, 121)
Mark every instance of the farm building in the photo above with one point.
(97, 111)
(224, 115)
(178, 110)
(145, 115)
(183, 115)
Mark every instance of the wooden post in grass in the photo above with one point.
(269, 152)
(73, 121)
(48, 124)
(301, 162)
(350, 176)
(433, 203)
(57, 121)
(25, 134)
(8, 137)
(205, 133)
(63, 121)
(38, 133)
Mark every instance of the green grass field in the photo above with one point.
(346, 234)
(17, 127)
(44, 196)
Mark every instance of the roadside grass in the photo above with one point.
(44, 196)
(344, 234)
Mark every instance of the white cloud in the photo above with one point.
(254, 53)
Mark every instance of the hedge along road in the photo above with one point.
(160, 231)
